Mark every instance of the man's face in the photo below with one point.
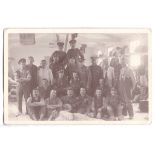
(61, 74)
(70, 93)
(72, 60)
(112, 92)
(82, 92)
(93, 62)
(44, 82)
(53, 93)
(101, 82)
(22, 65)
(72, 45)
(60, 48)
(98, 93)
(30, 60)
(35, 93)
(75, 75)
(43, 63)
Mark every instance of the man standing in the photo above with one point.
(54, 65)
(110, 74)
(33, 71)
(61, 56)
(74, 52)
(94, 74)
(126, 85)
(44, 73)
(23, 78)
(83, 72)
(117, 70)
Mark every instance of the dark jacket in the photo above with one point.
(33, 71)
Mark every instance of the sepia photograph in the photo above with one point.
(77, 76)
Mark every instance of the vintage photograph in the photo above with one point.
(77, 76)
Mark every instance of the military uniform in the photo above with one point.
(74, 53)
(55, 67)
(62, 57)
(84, 104)
(94, 74)
(60, 60)
(70, 102)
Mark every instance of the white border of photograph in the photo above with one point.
(74, 30)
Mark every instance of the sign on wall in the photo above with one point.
(27, 38)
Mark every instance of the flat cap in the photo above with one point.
(72, 41)
(22, 60)
(93, 57)
(60, 43)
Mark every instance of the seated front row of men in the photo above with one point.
(51, 106)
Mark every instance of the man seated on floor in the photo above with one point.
(36, 106)
(71, 111)
(54, 105)
(98, 104)
(84, 102)
(70, 101)
(114, 105)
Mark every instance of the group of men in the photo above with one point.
(67, 85)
